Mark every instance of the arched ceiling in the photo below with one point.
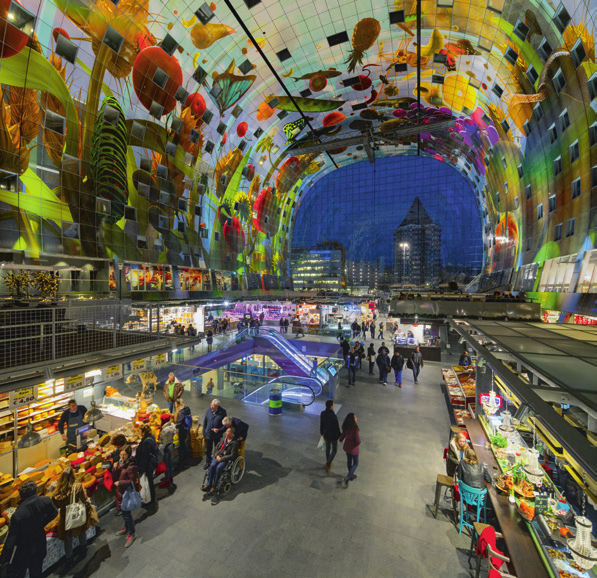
(350, 66)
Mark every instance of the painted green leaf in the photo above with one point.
(308, 104)
(154, 139)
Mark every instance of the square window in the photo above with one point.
(198, 210)
(516, 202)
(141, 242)
(553, 133)
(593, 134)
(506, 188)
(71, 164)
(209, 146)
(194, 136)
(397, 17)
(561, 18)
(505, 126)
(557, 166)
(113, 40)
(205, 13)
(158, 245)
(181, 95)
(592, 86)
(521, 30)
(440, 58)
(557, 234)
(574, 151)
(497, 90)
(130, 213)
(169, 45)
(156, 110)
(246, 66)
(504, 163)
(593, 177)
(143, 190)
(160, 77)
(520, 171)
(164, 198)
(564, 120)
(182, 205)
(305, 93)
(336, 39)
(496, 5)
(497, 198)
(181, 226)
(207, 116)
(539, 212)
(283, 55)
(216, 91)
(199, 75)
(570, 227)
(575, 188)
(204, 233)
(138, 130)
(511, 56)
(529, 243)
(66, 49)
(170, 149)
(578, 53)
(527, 127)
(552, 203)
(145, 164)
(216, 236)
(544, 50)
(485, 43)
(532, 74)
(538, 112)
(176, 124)
(162, 171)
(559, 81)
(102, 206)
(54, 122)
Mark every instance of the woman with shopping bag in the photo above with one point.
(125, 475)
(76, 513)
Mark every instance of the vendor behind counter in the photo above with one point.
(70, 421)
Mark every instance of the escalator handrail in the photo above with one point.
(273, 381)
(286, 346)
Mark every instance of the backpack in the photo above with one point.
(188, 420)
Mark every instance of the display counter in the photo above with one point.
(428, 353)
(535, 521)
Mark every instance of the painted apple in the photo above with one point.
(234, 235)
(265, 212)
(197, 104)
(147, 63)
(241, 129)
(288, 174)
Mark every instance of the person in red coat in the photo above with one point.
(352, 441)
(126, 473)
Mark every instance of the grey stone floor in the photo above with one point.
(287, 518)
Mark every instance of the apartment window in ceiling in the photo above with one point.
(561, 18)
(553, 133)
(557, 234)
(593, 177)
(552, 203)
(557, 166)
(527, 127)
(592, 85)
(575, 187)
(570, 227)
(574, 151)
(544, 50)
(504, 162)
(578, 53)
(564, 120)
(529, 243)
(520, 171)
(532, 74)
(516, 202)
(506, 187)
(539, 212)
(593, 134)
(497, 198)
(559, 81)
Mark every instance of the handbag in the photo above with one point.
(131, 500)
(76, 513)
(409, 363)
(145, 492)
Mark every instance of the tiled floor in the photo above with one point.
(287, 518)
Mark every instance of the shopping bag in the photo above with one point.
(145, 493)
(76, 513)
(409, 363)
(161, 469)
(108, 480)
(131, 500)
(321, 444)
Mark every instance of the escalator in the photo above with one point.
(297, 392)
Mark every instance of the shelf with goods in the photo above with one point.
(456, 395)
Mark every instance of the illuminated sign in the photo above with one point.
(484, 398)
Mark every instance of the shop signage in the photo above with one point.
(22, 396)
(113, 372)
(138, 365)
(74, 382)
(541, 503)
(160, 359)
(582, 320)
(484, 398)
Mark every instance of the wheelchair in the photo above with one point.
(231, 475)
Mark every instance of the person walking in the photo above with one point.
(380, 334)
(417, 362)
(172, 391)
(352, 361)
(383, 363)
(372, 329)
(360, 352)
(345, 348)
(25, 546)
(167, 441)
(212, 422)
(355, 329)
(371, 358)
(397, 364)
(210, 339)
(146, 458)
(329, 428)
(125, 474)
(352, 441)
(364, 327)
(69, 491)
(184, 421)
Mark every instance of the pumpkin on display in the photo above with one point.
(146, 64)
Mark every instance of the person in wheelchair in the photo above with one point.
(227, 453)
(240, 427)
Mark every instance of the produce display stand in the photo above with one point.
(457, 397)
(550, 551)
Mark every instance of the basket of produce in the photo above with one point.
(524, 489)
(503, 483)
(499, 441)
(526, 510)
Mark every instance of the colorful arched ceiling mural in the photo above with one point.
(140, 130)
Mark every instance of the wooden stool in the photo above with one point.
(478, 528)
(446, 482)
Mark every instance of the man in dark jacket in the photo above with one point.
(371, 358)
(227, 452)
(356, 328)
(241, 430)
(397, 365)
(352, 363)
(146, 459)
(70, 421)
(330, 430)
(383, 363)
(465, 359)
(417, 363)
(183, 420)
(345, 348)
(25, 546)
(372, 328)
(212, 422)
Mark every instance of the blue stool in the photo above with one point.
(471, 497)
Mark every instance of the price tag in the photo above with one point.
(74, 382)
(160, 359)
(23, 396)
(138, 365)
(113, 372)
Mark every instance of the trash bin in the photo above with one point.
(275, 402)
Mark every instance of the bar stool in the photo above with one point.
(478, 527)
(448, 483)
(471, 497)
(492, 556)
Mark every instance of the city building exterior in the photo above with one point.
(322, 267)
(363, 274)
(417, 248)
